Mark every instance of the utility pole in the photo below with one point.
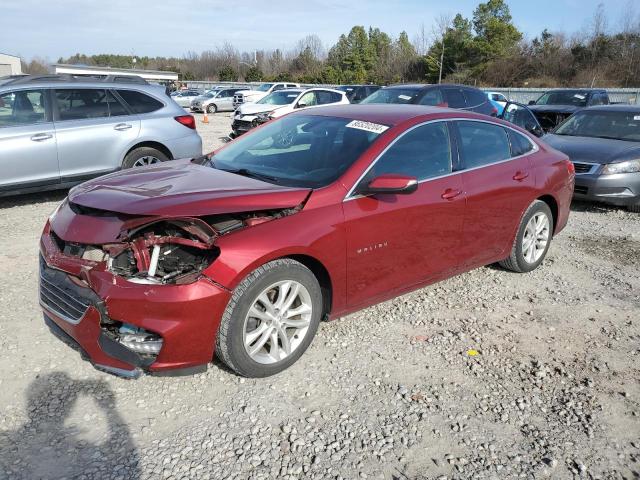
(441, 61)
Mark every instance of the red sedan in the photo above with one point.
(323, 212)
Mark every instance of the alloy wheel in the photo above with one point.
(277, 322)
(146, 160)
(536, 237)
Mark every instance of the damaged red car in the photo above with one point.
(241, 253)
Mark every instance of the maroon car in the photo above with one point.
(315, 215)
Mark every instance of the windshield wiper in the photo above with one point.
(248, 173)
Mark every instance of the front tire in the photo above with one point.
(213, 108)
(532, 240)
(143, 156)
(270, 320)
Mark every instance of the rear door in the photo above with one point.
(397, 241)
(498, 185)
(28, 155)
(94, 130)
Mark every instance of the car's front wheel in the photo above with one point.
(270, 320)
(532, 240)
(212, 108)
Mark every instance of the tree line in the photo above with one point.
(485, 50)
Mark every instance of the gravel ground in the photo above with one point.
(487, 375)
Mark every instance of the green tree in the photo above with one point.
(227, 74)
(254, 74)
(496, 36)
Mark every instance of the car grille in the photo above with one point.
(582, 167)
(60, 299)
(238, 99)
(581, 190)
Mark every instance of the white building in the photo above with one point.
(9, 65)
(151, 75)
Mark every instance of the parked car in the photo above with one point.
(555, 106)
(281, 102)
(443, 95)
(357, 93)
(56, 132)
(216, 100)
(604, 145)
(315, 215)
(498, 100)
(185, 97)
(261, 91)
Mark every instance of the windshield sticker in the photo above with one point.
(292, 95)
(367, 126)
(404, 97)
(581, 97)
(636, 117)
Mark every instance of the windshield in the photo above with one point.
(564, 97)
(281, 97)
(392, 95)
(603, 124)
(264, 87)
(299, 150)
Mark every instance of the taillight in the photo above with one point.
(494, 112)
(187, 120)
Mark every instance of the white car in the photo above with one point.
(253, 95)
(498, 100)
(281, 102)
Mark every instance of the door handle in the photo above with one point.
(122, 126)
(519, 176)
(450, 193)
(38, 137)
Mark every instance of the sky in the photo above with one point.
(60, 28)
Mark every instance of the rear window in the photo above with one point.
(140, 102)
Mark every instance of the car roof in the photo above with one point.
(388, 114)
(577, 89)
(80, 84)
(618, 107)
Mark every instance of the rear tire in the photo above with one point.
(143, 156)
(270, 320)
(532, 240)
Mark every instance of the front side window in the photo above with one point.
(299, 150)
(482, 143)
(264, 87)
(424, 152)
(140, 102)
(22, 107)
(308, 99)
(82, 103)
(433, 98)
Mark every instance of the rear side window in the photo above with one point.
(424, 152)
(454, 98)
(23, 107)
(140, 102)
(325, 97)
(433, 98)
(82, 103)
(475, 97)
(519, 144)
(482, 143)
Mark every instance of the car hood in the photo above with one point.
(182, 188)
(255, 108)
(554, 108)
(593, 150)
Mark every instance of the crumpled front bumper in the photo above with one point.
(621, 189)
(78, 301)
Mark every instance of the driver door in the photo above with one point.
(521, 116)
(396, 241)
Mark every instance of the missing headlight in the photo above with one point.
(134, 338)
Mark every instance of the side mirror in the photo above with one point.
(301, 105)
(391, 184)
(531, 102)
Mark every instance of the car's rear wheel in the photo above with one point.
(532, 240)
(212, 108)
(270, 320)
(143, 156)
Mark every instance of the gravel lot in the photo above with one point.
(392, 392)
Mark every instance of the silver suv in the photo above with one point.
(57, 131)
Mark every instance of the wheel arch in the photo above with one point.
(322, 275)
(552, 203)
(151, 144)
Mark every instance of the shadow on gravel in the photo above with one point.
(583, 206)
(48, 446)
(32, 198)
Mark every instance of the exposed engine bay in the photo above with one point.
(167, 250)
